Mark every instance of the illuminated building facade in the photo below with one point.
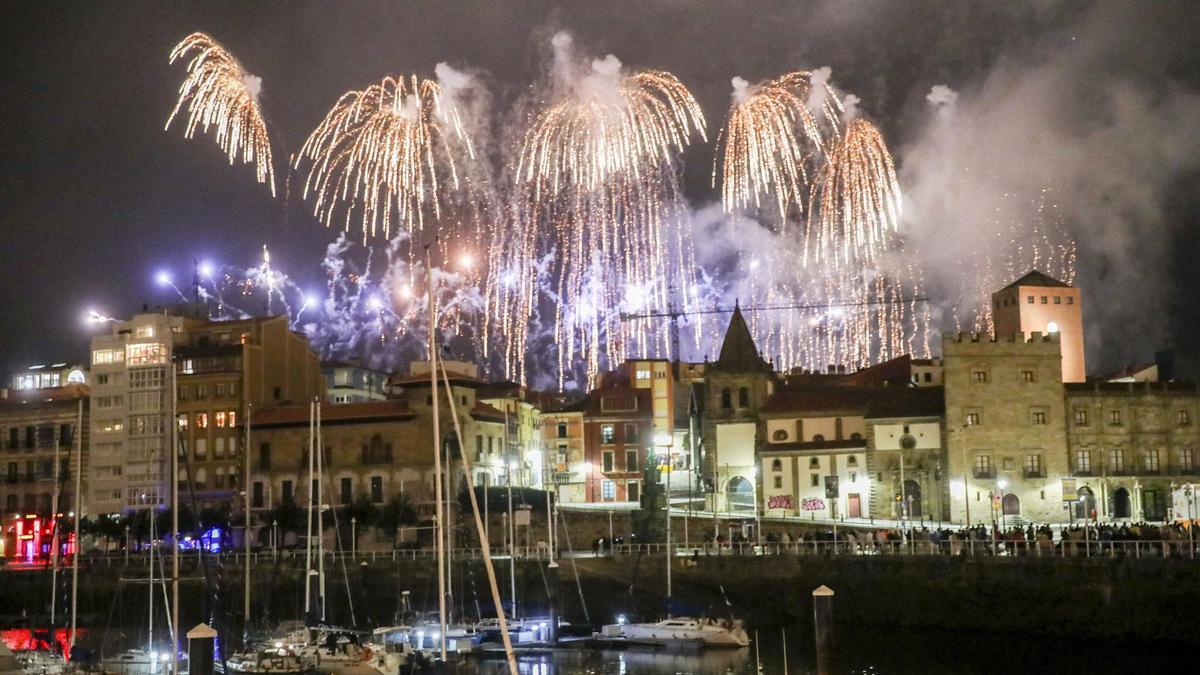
(39, 427)
(220, 367)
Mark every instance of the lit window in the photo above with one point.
(1033, 465)
(232, 415)
(979, 376)
(972, 419)
(220, 419)
(147, 354)
(144, 332)
(607, 434)
(1037, 417)
(1116, 460)
(1083, 461)
(201, 420)
(1027, 376)
(643, 374)
(608, 490)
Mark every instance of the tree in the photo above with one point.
(396, 513)
(358, 515)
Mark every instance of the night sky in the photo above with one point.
(95, 196)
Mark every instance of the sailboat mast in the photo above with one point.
(78, 517)
(320, 456)
(437, 457)
(150, 585)
(246, 535)
(484, 543)
(174, 519)
(54, 540)
(308, 531)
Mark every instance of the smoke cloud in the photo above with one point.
(1089, 123)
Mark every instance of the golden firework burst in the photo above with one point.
(220, 93)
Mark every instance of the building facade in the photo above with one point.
(353, 383)
(563, 444)
(212, 373)
(1005, 414)
(618, 424)
(1131, 444)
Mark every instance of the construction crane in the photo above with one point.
(673, 313)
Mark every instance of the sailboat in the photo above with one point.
(151, 660)
(704, 632)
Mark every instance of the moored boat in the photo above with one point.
(704, 631)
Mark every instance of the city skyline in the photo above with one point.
(179, 200)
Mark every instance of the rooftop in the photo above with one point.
(1037, 279)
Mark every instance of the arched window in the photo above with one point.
(856, 436)
(817, 438)
(726, 399)
(779, 435)
(777, 465)
(743, 398)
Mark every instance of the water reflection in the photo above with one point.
(629, 662)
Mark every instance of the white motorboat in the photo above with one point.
(270, 661)
(138, 662)
(707, 632)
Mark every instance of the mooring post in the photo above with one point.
(201, 642)
(823, 625)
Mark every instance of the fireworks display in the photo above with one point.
(763, 148)
(598, 214)
(218, 92)
(550, 251)
(855, 200)
(382, 155)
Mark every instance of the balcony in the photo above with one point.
(984, 474)
(1033, 473)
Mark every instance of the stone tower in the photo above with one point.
(1037, 303)
(737, 386)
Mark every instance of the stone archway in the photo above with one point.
(1121, 507)
(912, 496)
(1085, 503)
(740, 494)
(1011, 505)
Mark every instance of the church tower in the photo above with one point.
(1038, 303)
(737, 386)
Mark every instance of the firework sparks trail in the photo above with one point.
(856, 200)
(1037, 240)
(596, 169)
(779, 133)
(764, 147)
(219, 92)
(384, 154)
